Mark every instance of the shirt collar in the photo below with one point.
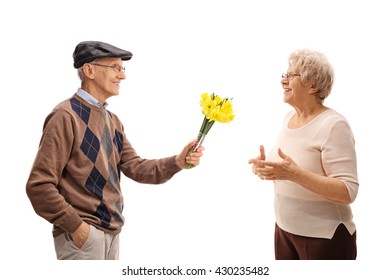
(90, 99)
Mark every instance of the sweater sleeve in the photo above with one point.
(148, 171)
(52, 156)
(339, 156)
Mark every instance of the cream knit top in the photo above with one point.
(326, 147)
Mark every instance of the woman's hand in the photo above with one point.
(257, 162)
(283, 170)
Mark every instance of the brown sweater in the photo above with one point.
(76, 172)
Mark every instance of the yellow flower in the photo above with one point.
(214, 109)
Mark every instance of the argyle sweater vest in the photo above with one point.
(76, 173)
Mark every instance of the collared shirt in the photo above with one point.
(90, 99)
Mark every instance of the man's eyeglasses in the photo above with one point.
(289, 76)
(114, 67)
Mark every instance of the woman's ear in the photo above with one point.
(313, 89)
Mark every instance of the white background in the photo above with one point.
(218, 214)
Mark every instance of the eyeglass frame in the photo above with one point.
(114, 67)
(289, 76)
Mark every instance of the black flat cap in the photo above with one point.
(88, 51)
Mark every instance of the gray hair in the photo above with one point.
(315, 70)
(80, 73)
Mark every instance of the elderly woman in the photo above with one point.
(313, 167)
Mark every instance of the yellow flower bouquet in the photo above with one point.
(214, 109)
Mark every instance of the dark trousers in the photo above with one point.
(289, 246)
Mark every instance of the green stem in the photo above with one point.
(204, 129)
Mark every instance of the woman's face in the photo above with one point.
(295, 91)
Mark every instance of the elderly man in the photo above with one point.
(75, 179)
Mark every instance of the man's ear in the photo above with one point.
(88, 71)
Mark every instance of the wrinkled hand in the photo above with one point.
(80, 235)
(257, 162)
(283, 170)
(183, 159)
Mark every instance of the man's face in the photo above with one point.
(108, 73)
